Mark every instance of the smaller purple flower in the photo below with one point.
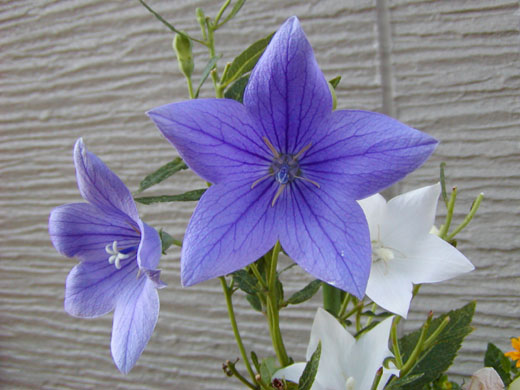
(118, 256)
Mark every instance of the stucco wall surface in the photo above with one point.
(90, 69)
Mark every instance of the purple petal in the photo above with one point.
(150, 248)
(327, 235)
(232, 226)
(99, 185)
(92, 288)
(83, 230)
(287, 93)
(365, 152)
(134, 321)
(215, 137)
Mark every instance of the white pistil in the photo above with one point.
(115, 255)
(350, 383)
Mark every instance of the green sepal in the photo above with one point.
(233, 12)
(268, 368)
(434, 361)
(245, 282)
(495, 358)
(161, 174)
(236, 91)
(310, 370)
(185, 197)
(335, 81)
(207, 70)
(255, 302)
(305, 293)
(245, 61)
(166, 241)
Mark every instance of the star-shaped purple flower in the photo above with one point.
(118, 256)
(286, 167)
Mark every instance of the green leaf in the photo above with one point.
(233, 12)
(310, 370)
(398, 383)
(161, 19)
(166, 241)
(495, 358)
(437, 359)
(244, 281)
(254, 301)
(207, 70)
(245, 61)
(185, 197)
(268, 368)
(305, 293)
(335, 81)
(254, 359)
(236, 91)
(161, 174)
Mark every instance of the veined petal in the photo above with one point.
(149, 252)
(327, 235)
(215, 137)
(92, 288)
(368, 354)
(100, 186)
(374, 208)
(364, 152)
(84, 230)
(434, 260)
(232, 226)
(410, 215)
(134, 321)
(287, 93)
(389, 286)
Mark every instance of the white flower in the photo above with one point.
(345, 363)
(485, 379)
(403, 250)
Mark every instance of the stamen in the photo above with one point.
(261, 180)
(271, 147)
(304, 149)
(309, 180)
(115, 255)
(278, 193)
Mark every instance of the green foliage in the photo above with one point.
(236, 91)
(436, 359)
(207, 70)
(185, 197)
(245, 61)
(233, 12)
(182, 47)
(305, 293)
(495, 358)
(310, 370)
(335, 81)
(166, 241)
(268, 368)
(161, 174)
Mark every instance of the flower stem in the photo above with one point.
(231, 367)
(221, 11)
(232, 319)
(469, 217)
(395, 342)
(449, 215)
(419, 347)
(190, 87)
(273, 308)
(344, 305)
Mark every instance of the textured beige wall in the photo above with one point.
(92, 68)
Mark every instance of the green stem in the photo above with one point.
(231, 367)
(177, 242)
(232, 319)
(377, 379)
(395, 342)
(190, 87)
(371, 318)
(221, 11)
(273, 317)
(469, 217)
(449, 215)
(410, 362)
(331, 298)
(219, 92)
(344, 305)
(258, 276)
(430, 340)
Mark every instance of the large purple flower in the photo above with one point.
(118, 256)
(286, 167)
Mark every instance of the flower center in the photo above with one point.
(285, 168)
(350, 383)
(381, 253)
(116, 255)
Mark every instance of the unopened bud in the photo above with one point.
(201, 18)
(183, 49)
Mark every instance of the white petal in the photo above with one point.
(410, 215)
(368, 354)
(387, 373)
(434, 260)
(291, 373)
(374, 208)
(390, 286)
(336, 344)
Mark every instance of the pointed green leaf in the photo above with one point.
(254, 359)
(335, 81)
(437, 359)
(245, 61)
(398, 383)
(185, 197)
(207, 70)
(305, 293)
(161, 19)
(233, 12)
(254, 301)
(495, 358)
(161, 174)
(244, 281)
(236, 91)
(268, 368)
(166, 241)
(310, 370)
